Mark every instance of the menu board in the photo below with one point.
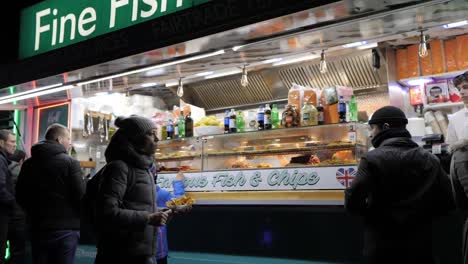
(54, 114)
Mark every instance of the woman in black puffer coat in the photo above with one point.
(126, 205)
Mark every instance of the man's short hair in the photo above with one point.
(460, 79)
(4, 134)
(55, 131)
(18, 156)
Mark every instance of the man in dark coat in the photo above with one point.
(49, 188)
(399, 189)
(126, 204)
(7, 195)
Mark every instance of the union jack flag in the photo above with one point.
(346, 176)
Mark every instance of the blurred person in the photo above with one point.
(163, 197)
(17, 226)
(49, 189)
(7, 194)
(458, 140)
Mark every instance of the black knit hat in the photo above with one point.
(134, 126)
(390, 115)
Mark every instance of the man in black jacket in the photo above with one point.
(7, 196)
(126, 204)
(399, 189)
(49, 188)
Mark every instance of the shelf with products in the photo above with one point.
(325, 145)
(270, 151)
(179, 154)
(418, 80)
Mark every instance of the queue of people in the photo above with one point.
(50, 188)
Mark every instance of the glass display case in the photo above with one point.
(305, 165)
(327, 145)
(183, 154)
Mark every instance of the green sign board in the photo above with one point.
(54, 24)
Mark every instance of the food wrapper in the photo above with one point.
(295, 96)
(454, 93)
(442, 121)
(331, 95)
(180, 201)
(437, 92)
(432, 122)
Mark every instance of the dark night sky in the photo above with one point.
(9, 26)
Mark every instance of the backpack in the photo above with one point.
(93, 186)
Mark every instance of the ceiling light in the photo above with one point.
(180, 88)
(30, 91)
(158, 66)
(355, 44)
(423, 46)
(368, 46)
(150, 84)
(272, 60)
(375, 59)
(457, 24)
(323, 63)
(203, 74)
(244, 78)
(222, 74)
(296, 60)
(36, 94)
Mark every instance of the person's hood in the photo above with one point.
(46, 149)
(120, 148)
(12, 165)
(389, 134)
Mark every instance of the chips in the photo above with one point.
(183, 200)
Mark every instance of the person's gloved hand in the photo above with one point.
(159, 218)
(182, 209)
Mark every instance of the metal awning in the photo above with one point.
(329, 27)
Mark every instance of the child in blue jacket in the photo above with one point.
(163, 196)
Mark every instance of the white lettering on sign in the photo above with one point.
(83, 20)
(46, 26)
(154, 6)
(114, 5)
(63, 20)
(321, 178)
(39, 28)
(164, 6)
(54, 28)
(87, 16)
